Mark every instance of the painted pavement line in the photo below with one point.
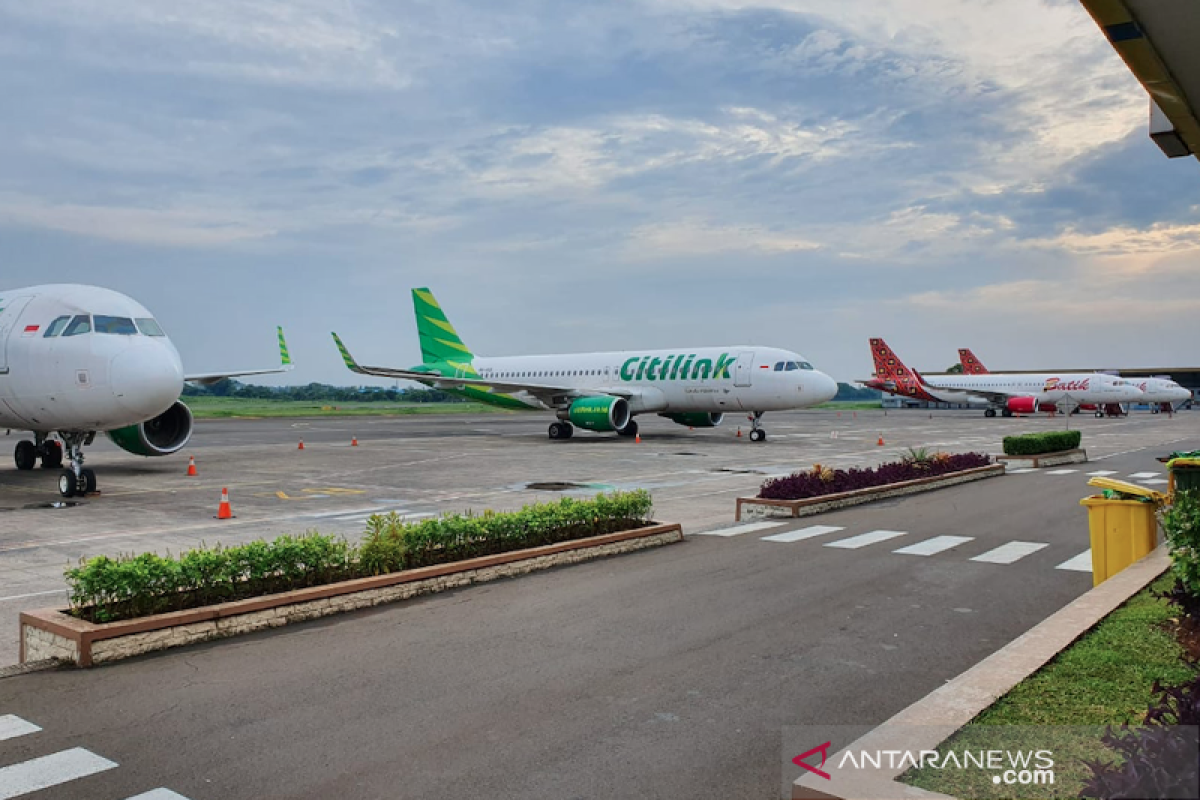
(1154, 481)
(803, 533)
(1062, 471)
(1102, 473)
(738, 530)
(1008, 553)
(1021, 471)
(864, 539)
(52, 770)
(158, 794)
(11, 727)
(934, 546)
(33, 594)
(1139, 475)
(1080, 563)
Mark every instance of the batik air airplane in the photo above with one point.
(1161, 393)
(75, 360)
(1006, 394)
(693, 386)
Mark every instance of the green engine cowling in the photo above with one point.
(165, 434)
(696, 419)
(599, 413)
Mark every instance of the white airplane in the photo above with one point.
(693, 386)
(1161, 393)
(1006, 394)
(75, 360)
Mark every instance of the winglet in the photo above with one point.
(284, 357)
(351, 364)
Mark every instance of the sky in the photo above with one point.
(629, 174)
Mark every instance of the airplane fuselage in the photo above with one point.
(1049, 388)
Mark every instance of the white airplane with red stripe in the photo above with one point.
(76, 360)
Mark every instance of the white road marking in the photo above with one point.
(864, 539)
(1102, 473)
(933, 546)
(1080, 563)
(1020, 471)
(51, 770)
(370, 510)
(1008, 553)
(1139, 475)
(1062, 471)
(803, 533)
(31, 594)
(158, 794)
(11, 727)
(738, 530)
(1154, 481)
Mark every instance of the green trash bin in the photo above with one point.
(1185, 474)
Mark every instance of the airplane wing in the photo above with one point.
(551, 395)
(209, 378)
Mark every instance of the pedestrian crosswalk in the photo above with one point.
(58, 768)
(1147, 478)
(1003, 554)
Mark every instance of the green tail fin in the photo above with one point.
(440, 343)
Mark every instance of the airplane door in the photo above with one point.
(742, 367)
(10, 310)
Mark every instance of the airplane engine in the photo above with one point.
(165, 434)
(599, 413)
(1022, 405)
(696, 420)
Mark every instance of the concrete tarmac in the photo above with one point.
(665, 673)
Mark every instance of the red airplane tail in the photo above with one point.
(891, 372)
(970, 364)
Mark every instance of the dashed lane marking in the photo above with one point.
(1008, 553)
(738, 530)
(1080, 563)
(1062, 471)
(934, 546)
(158, 794)
(803, 533)
(1154, 481)
(1137, 476)
(11, 727)
(864, 539)
(52, 770)
(1020, 471)
(1102, 473)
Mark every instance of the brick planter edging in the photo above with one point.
(761, 507)
(50, 633)
(1078, 456)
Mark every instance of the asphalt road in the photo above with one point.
(666, 673)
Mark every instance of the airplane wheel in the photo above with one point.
(88, 478)
(67, 483)
(629, 430)
(758, 435)
(51, 455)
(25, 455)
(1006, 412)
(560, 430)
(991, 412)
(1099, 414)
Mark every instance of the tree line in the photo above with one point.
(322, 392)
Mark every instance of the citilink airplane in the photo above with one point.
(692, 386)
(75, 360)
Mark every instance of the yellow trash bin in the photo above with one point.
(1122, 531)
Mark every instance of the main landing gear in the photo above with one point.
(1004, 412)
(561, 430)
(757, 434)
(48, 450)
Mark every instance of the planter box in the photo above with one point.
(52, 634)
(1044, 459)
(754, 507)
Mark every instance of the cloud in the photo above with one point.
(696, 238)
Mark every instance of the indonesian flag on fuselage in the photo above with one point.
(31, 330)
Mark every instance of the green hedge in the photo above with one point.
(105, 589)
(1032, 444)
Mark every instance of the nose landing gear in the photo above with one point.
(74, 480)
(757, 434)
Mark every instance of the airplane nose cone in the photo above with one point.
(827, 387)
(146, 380)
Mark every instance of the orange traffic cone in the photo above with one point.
(301, 447)
(192, 467)
(739, 433)
(637, 438)
(880, 442)
(223, 510)
(354, 442)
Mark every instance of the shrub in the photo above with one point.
(1157, 759)
(822, 481)
(104, 589)
(1181, 523)
(1032, 444)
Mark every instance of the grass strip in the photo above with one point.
(1104, 678)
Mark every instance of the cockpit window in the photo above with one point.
(806, 365)
(149, 326)
(792, 366)
(779, 366)
(80, 325)
(56, 327)
(121, 326)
